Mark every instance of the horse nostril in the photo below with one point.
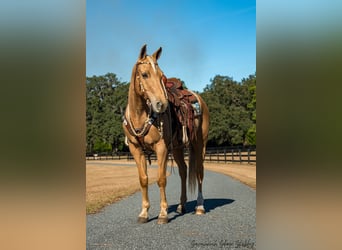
(159, 105)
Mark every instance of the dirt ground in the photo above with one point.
(106, 184)
(246, 173)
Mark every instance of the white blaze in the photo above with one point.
(152, 63)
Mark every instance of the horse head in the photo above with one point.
(147, 78)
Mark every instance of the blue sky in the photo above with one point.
(200, 38)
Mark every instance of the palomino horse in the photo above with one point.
(149, 125)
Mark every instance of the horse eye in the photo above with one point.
(144, 75)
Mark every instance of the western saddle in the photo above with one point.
(185, 105)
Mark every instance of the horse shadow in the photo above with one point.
(209, 204)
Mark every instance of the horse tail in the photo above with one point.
(192, 170)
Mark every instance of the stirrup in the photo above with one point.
(185, 138)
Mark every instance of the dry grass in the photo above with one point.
(246, 173)
(106, 184)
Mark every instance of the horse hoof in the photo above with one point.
(142, 220)
(199, 211)
(163, 220)
(181, 209)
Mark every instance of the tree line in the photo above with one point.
(232, 108)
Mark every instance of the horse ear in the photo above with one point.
(157, 54)
(143, 52)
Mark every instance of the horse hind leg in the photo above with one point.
(178, 155)
(199, 174)
(200, 201)
(200, 148)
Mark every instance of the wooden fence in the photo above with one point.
(219, 155)
(225, 155)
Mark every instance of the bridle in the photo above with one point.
(139, 133)
(142, 88)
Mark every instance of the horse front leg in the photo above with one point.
(161, 152)
(140, 160)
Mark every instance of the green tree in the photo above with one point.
(230, 117)
(251, 133)
(101, 146)
(106, 100)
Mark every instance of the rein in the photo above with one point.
(139, 133)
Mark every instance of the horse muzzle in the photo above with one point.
(159, 106)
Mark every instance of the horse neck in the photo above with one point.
(137, 106)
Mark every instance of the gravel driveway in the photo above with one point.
(229, 222)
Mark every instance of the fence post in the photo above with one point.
(232, 155)
(225, 155)
(249, 152)
(240, 155)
